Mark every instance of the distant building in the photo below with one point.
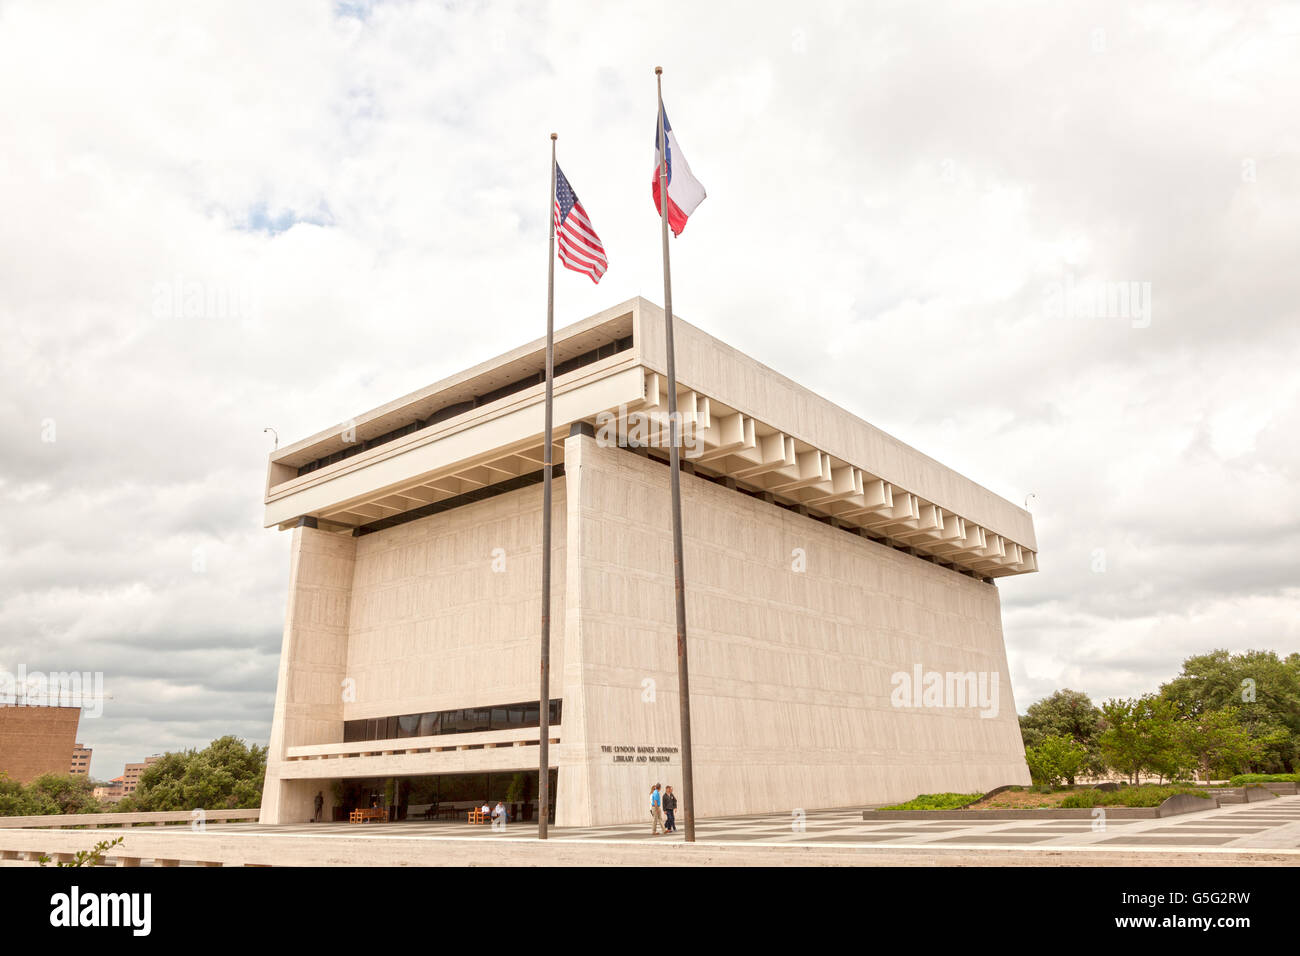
(110, 792)
(36, 740)
(80, 760)
(131, 774)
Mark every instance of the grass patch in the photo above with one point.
(1022, 798)
(936, 801)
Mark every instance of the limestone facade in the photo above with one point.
(844, 625)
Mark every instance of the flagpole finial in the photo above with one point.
(659, 70)
(555, 136)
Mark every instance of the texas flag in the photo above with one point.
(685, 192)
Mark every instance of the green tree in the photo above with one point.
(1144, 735)
(1165, 727)
(1221, 744)
(65, 793)
(1264, 689)
(225, 775)
(1055, 758)
(1066, 713)
(47, 794)
(13, 798)
(1121, 744)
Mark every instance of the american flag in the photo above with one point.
(580, 248)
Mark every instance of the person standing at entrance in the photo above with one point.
(320, 806)
(670, 808)
(656, 815)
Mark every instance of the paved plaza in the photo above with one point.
(1270, 825)
(1254, 834)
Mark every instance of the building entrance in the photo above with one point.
(444, 796)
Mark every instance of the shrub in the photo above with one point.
(1242, 779)
(1141, 796)
(92, 857)
(1055, 759)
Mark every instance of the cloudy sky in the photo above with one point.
(910, 208)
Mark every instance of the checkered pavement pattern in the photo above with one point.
(1271, 824)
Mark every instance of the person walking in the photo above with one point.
(656, 814)
(670, 808)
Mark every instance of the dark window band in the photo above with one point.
(460, 408)
(459, 501)
(463, 720)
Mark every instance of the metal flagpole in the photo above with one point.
(544, 698)
(674, 431)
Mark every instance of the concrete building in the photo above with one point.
(845, 631)
(80, 760)
(36, 740)
(112, 791)
(131, 774)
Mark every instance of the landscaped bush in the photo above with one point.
(1141, 796)
(50, 793)
(1056, 759)
(936, 801)
(1242, 779)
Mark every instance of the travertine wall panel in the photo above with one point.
(790, 670)
(313, 654)
(434, 626)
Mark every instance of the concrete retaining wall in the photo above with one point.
(172, 847)
(99, 820)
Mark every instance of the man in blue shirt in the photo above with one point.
(656, 814)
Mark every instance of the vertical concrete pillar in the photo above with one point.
(313, 664)
(574, 796)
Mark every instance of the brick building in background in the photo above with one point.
(131, 774)
(37, 740)
(81, 755)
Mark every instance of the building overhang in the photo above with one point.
(744, 425)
